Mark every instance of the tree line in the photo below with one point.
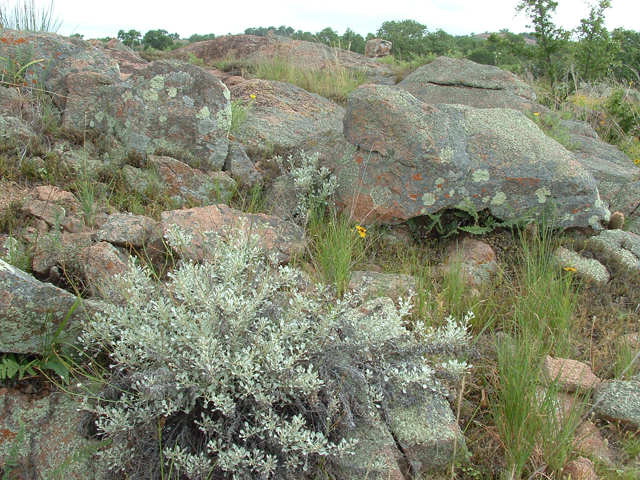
(589, 52)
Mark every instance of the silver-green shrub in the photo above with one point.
(313, 184)
(232, 369)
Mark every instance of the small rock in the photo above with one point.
(377, 47)
(618, 401)
(570, 375)
(128, 230)
(275, 234)
(580, 469)
(476, 261)
(588, 268)
(590, 441)
(103, 263)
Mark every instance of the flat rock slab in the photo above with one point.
(619, 401)
(128, 230)
(274, 234)
(414, 159)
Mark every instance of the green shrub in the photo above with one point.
(233, 370)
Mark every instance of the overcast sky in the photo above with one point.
(94, 18)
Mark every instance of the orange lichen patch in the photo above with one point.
(13, 41)
(524, 180)
(7, 435)
(439, 185)
(414, 196)
(417, 176)
(483, 190)
(475, 195)
(446, 195)
(359, 159)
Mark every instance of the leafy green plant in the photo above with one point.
(12, 366)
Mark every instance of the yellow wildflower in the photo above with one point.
(253, 97)
(636, 161)
(536, 113)
(362, 231)
(570, 269)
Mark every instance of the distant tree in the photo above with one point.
(76, 35)
(300, 35)
(627, 58)
(465, 44)
(482, 55)
(284, 31)
(130, 38)
(328, 36)
(407, 36)
(201, 38)
(159, 39)
(440, 42)
(352, 41)
(550, 39)
(596, 50)
(258, 31)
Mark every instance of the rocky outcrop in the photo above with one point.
(457, 81)
(305, 55)
(414, 159)
(377, 47)
(61, 57)
(282, 118)
(169, 108)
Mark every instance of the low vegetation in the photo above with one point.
(272, 369)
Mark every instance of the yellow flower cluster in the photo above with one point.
(362, 231)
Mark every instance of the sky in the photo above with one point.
(97, 19)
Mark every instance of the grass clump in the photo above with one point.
(25, 15)
(233, 370)
(334, 82)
